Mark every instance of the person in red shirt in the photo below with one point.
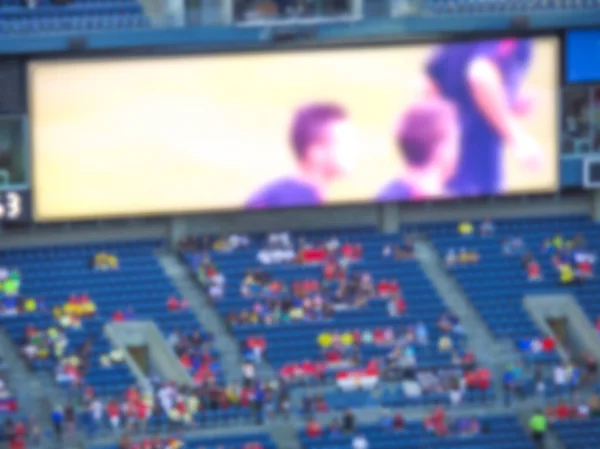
(256, 343)
(17, 443)
(313, 428)
(132, 394)
(320, 404)
(172, 304)
(312, 255)
(398, 422)
(564, 411)
(30, 331)
(548, 344)
(332, 271)
(351, 252)
(118, 316)
(400, 305)
(483, 379)
(113, 412)
(252, 445)
(379, 337)
(186, 361)
(436, 422)
(288, 371)
(534, 272)
(308, 369)
(585, 268)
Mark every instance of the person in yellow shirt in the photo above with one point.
(70, 307)
(324, 340)
(232, 394)
(465, 228)
(30, 305)
(100, 260)
(557, 241)
(112, 261)
(88, 307)
(57, 312)
(566, 274)
(445, 343)
(346, 339)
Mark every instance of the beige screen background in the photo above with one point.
(117, 137)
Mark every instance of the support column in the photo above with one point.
(389, 218)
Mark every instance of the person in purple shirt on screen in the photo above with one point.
(320, 138)
(484, 81)
(427, 137)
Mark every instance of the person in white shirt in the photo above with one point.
(560, 376)
(238, 241)
(360, 442)
(333, 244)
(97, 412)
(451, 257)
(166, 396)
(249, 372)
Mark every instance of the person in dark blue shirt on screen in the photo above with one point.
(320, 138)
(427, 137)
(484, 80)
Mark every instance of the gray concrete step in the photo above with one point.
(209, 318)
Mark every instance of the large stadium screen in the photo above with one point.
(156, 135)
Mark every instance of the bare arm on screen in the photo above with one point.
(428, 87)
(487, 90)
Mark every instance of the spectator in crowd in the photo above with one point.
(465, 228)
(560, 378)
(422, 334)
(360, 442)
(436, 422)
(335, 430)
(465, 426)
(404, 251)
(538, 426)
(105, 261)
(398, 422)
(534, 271)
(57, 419)
(386, 421)
(348, 422)
(278, 249)
(594, 404)
(487, 228)
(313, 428)
(513, 246)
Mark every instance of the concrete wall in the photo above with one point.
(386, 217)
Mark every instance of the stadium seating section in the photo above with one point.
(55, 273)
(500, 279)
(579, 434)
(295, 342)
(229, 442)
(80, 15)
(500, 433)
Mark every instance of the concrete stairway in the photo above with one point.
(209, 318)
(493, 353)
(36, 393)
